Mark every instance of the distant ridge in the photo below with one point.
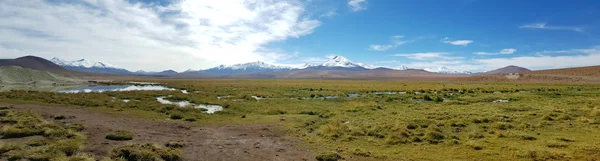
(508, 69)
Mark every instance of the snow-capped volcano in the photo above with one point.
(244, 68)
(89, 66)
(257, 64)
(445, 70)
(402, 67)
(338, 63)
(82, 63)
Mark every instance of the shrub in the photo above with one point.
(145, 152)
(119, 135)
(328, 157)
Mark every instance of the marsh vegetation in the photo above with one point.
(373, 120)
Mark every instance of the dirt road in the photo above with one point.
(236, 142)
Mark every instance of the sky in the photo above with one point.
(155, 35)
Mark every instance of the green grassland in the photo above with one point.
(431, 121)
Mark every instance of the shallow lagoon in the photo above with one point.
(116, 88)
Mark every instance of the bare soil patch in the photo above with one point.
(232, 142)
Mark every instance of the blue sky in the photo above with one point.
(491, 26)
(474, 35)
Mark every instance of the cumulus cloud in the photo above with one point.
(357, 5)
(180, 35)
(447, 40)
(544, 26)
(502, 52)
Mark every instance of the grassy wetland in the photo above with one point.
(347, 120)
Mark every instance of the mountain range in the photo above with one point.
(84, 65)
(336, 63)
(336, 68)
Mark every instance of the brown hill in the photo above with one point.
(590, 71)
(508, 69)
(36, 63)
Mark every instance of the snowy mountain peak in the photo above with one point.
(445, 70)
(256, 64)
(83, 63)
(340, 61)
(402, 67)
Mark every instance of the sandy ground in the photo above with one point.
(235, 142)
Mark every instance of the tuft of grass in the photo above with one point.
(15, 132)
(557, 145)
(502, 125)
(145, 152)
(82, 157)
(175, 144)
(76, 127)
(59, 117)
(526, 137)
(9, 147)
(329, 156)
(119, 135)
(4, 113)
(176, 116)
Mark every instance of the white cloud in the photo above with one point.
(357, 5)
(328, 14)
(395, 43)
(570, 51)
(541, 62)
(179, 35)
(428, 56)
(456, 42)
(397, 36)
(576, 58)
(502, 52)
(382, 47)
(547, 27)
(508, 51)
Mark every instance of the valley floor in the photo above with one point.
(232, 142)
